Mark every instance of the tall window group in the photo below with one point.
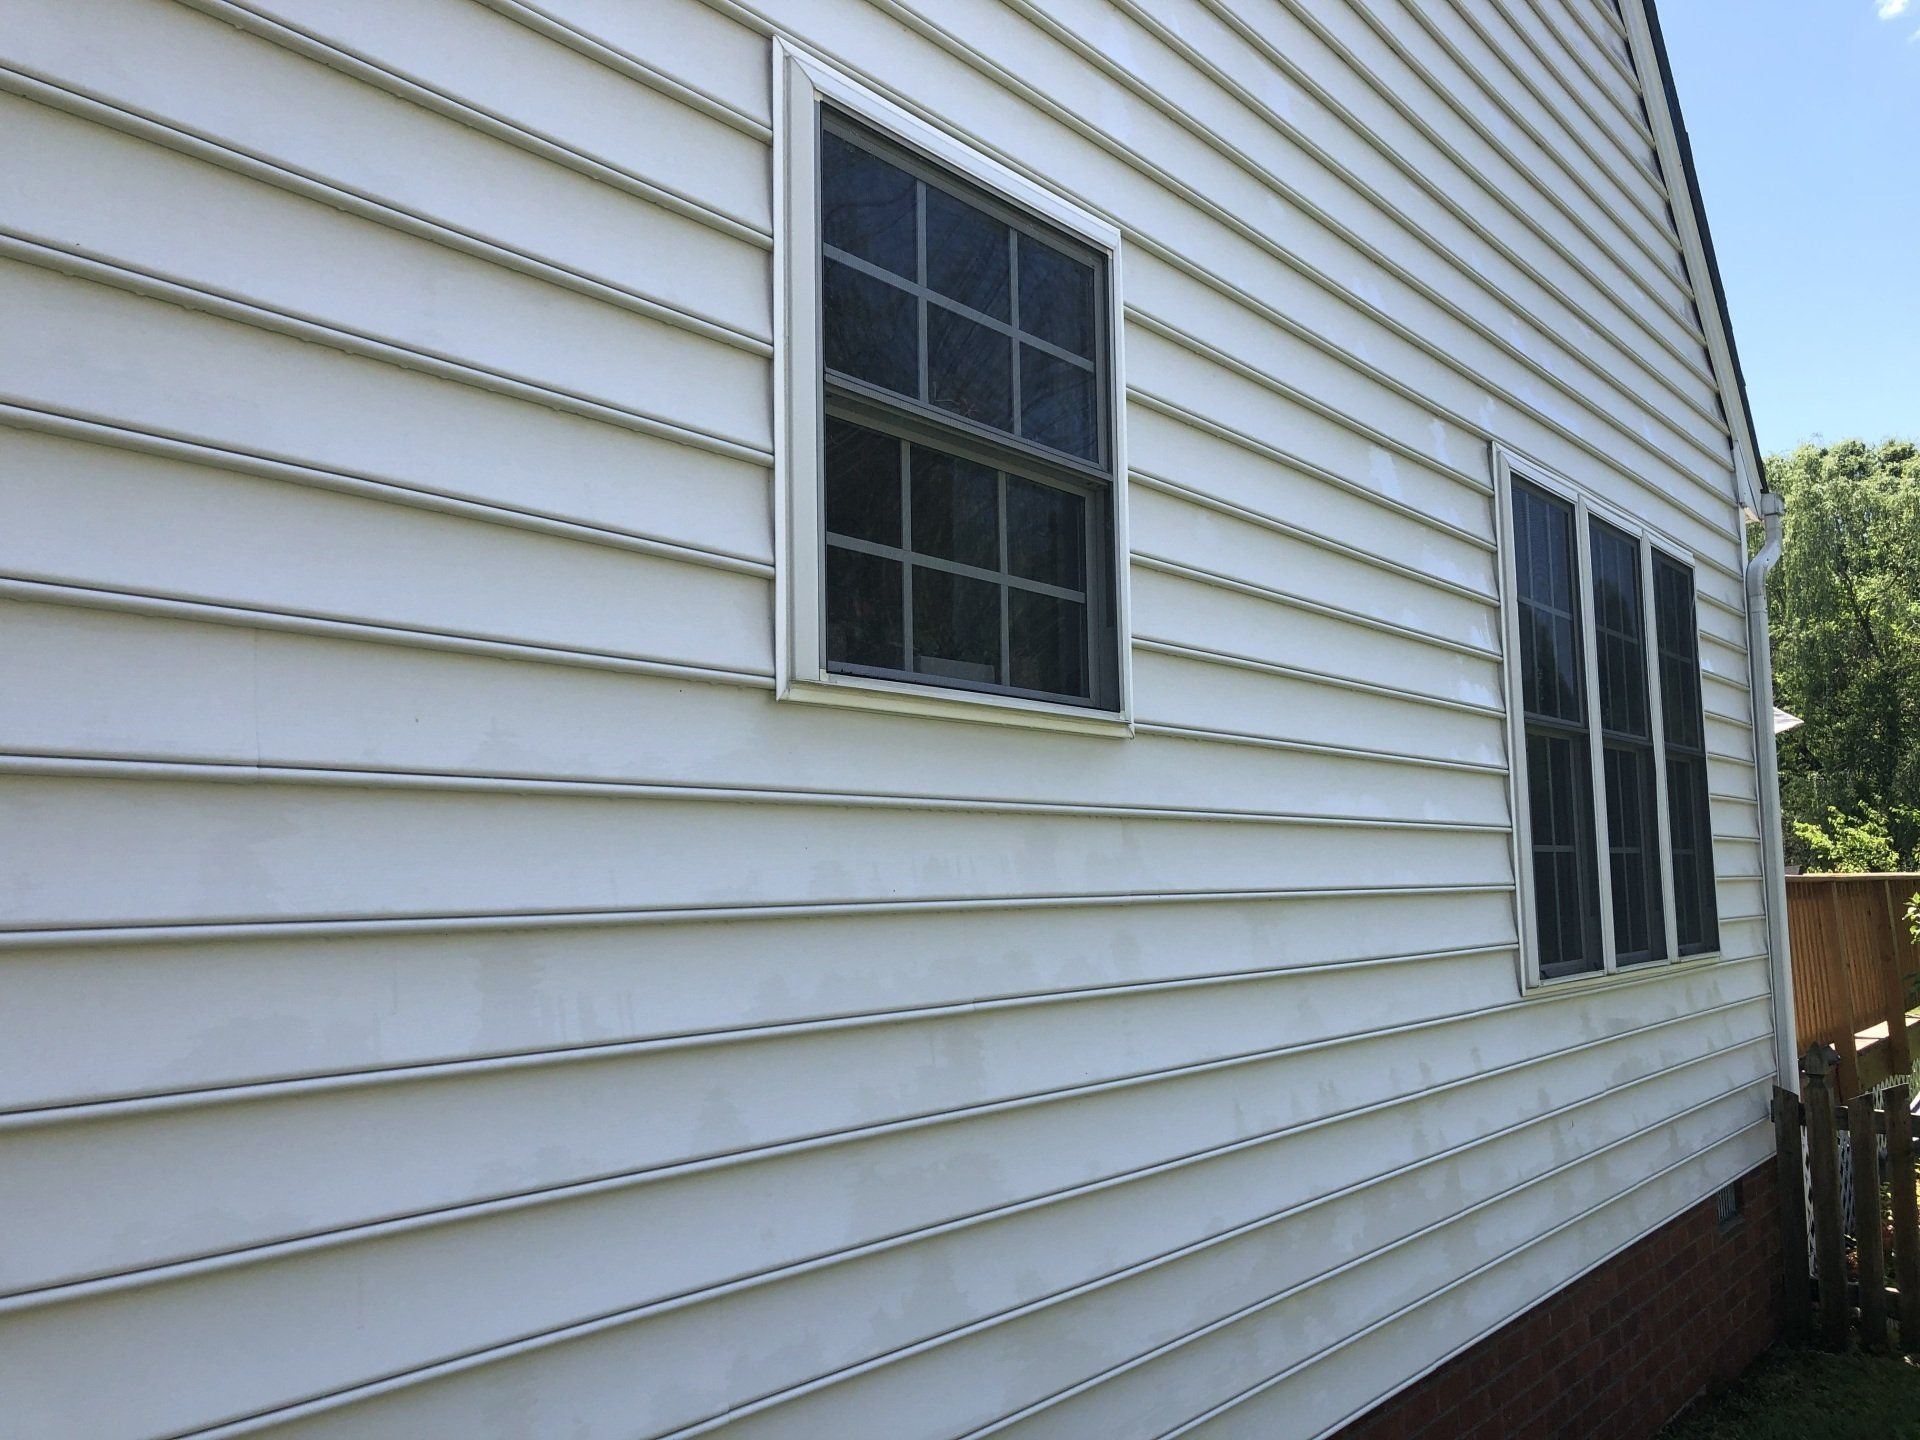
(1618, 832)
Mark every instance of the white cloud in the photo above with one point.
(1893, 9)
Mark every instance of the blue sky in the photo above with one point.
(1805, 117)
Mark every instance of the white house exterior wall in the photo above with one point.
(445, 993)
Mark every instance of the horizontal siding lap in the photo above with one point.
(297, 256)
(203, 1305)
(271, 1008)
(456, 1136)
(480, 56)
(108, 519)
(262, 396)
(225, 86)
(349, 850)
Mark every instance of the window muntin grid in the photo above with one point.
(938, 295)
(971, 340)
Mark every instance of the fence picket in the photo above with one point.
(1823, 1144)
(1906, 1215)
(1866, 1222)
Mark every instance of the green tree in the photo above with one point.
(1845, 608)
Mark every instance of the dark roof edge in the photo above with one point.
(1692, 177)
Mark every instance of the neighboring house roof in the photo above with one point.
(1696, 240)
(1783, 722)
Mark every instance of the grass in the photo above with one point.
(1799, 1394)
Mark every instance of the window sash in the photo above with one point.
(918, 421)
(1017, 447)
(1098, 639)
(1061, 307)
(1656, 745)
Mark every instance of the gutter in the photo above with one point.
(1773, 864)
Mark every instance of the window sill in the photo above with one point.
(1606, 980)
(902, 698)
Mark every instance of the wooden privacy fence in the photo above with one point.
(1856, 971)
(1884, 1236)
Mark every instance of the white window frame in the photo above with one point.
(1509, 465)
(801, 83)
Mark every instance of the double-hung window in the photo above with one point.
(1615, 846)
(953, 481)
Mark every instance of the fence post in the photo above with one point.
(1791, 1181)
(1868, 1241)
(1823, 1145)
(1906, 1215)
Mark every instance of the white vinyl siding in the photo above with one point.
(442, 991)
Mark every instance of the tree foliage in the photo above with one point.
(1844, 602)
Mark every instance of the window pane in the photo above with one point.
(864, 609)
(1056, 297)
(863, 483)
(956, 509)
(956, 626)
(1046, 533)
(871, 329)
(969, 368)
(1551, 664)
(1057, 403)
(968, 255)
(1620, 631)
(1639, 919)
(1047, 638)
(1689, 818)
(1694, 906)
(867, 206)
(1566, 893)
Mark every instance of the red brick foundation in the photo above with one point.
(1619, 1352)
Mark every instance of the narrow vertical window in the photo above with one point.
(1689, 819)
(1626, 737)
(1559, 763)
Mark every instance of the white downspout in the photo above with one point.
(1773, 863)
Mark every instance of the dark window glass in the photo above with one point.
(1689, 819)
(968, 255)
(959, 553)
(956, 626)
(865, 605)
(1566, 896)
(1633, 826)
(1639, 920)
(969, 368)
(1056, 297)
(872, 329)
(1048, 642)
(1559, 768)
(956, 509)
(1046, 533)
(867, 207)
(1057, 405)
(863, 483)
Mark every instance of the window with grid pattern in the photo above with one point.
(967, 481)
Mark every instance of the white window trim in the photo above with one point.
(801, 81)
(1507, 464)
